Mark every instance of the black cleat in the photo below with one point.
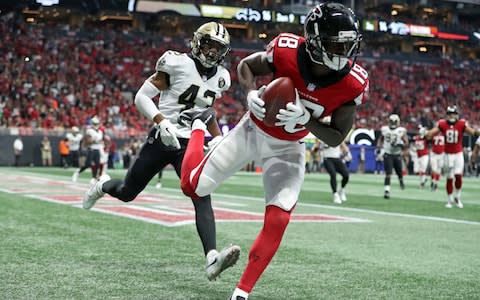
(187, 117)
(402, 185)
(386, 195)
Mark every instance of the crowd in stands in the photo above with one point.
(56, 81)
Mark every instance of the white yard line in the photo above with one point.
(257, 199)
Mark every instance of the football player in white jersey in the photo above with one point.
(94, 142)
(74, 141)
(329, 83)
(185, 81)
(394, 140)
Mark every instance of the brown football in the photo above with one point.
(276, 96)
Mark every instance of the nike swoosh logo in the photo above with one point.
(213, 262)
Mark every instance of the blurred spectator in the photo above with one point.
(64, 151)
(46, 151)
(17, 150)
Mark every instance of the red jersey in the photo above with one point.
(438, 144)
(287, 54)
(453, 134)
(420, 145)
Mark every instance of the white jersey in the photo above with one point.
(478, 141)
(393, 139)
(187, 87)
(74, 141)
(97, 138)
(331, 152)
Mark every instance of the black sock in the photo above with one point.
(205, 222)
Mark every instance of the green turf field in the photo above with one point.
(408, 247)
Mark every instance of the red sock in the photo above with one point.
(94, 170)
(449, 186)
(458, 181)
(100, 169)
(193, 156)
(265, 246)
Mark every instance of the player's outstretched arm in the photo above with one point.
(432, 132)
(340, 125)
(254, 65)
(471, 131)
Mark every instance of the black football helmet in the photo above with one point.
(332, 35)
(452, 114)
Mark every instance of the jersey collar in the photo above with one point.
(206, 73)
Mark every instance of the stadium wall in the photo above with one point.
(31, 155)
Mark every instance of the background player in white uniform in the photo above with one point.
(94, 142)
(74, 141)
(393, 141)
(318, 65)
(185, 81)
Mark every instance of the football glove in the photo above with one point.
(167, 133)
(255, 104)
(296, 113)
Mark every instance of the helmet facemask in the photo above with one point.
(333, 52)
(452, 118)
(452, 114)
(393, 121)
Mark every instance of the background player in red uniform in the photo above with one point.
(453, 129)
(328, 83)
(437, 158)
(421, 146)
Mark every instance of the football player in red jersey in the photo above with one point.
(437, 158)
(421, 146)
(329, 83)
(453, 129)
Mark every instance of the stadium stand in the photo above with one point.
(61, 82)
